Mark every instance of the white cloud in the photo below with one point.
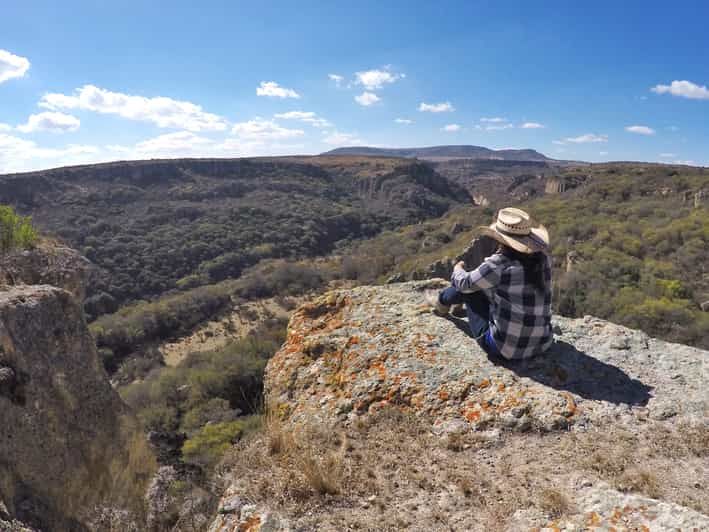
(583, 139)
(12, 66)
(685, 163)
(335, 138)
(18, 155)
(451, 128)
(5, 127)
(308, 117)
(403, 121)
(336, 78)
(50, 121)
(367, 98)
(532, 125)
(178, 144)
(494, 120)
(273, 89)
(497, 127)
(684, 89)
(262, 130)
(668, 155)
(640, 130)
(443, 107)
(162, 111)
(376, 79)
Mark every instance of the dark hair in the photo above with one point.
(533, 264)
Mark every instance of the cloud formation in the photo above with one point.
(336, 78)
(367, 98)
(443, 107)
(263, 130)
(308, 117)
(12, 66)
(274, 90)
(403, 121)
(640, 130)
(18, 155)
(335, 138)
(583, 139)
(376, 78)
(683, 89)
(451, 128)
(50, 121)
(532, 125)
(162, 111)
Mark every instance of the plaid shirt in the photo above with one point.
(520, 315)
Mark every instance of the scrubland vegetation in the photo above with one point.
(214, 397)
(16, 232)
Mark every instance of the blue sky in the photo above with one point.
(87, 81)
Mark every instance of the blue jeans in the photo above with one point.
(478, 308)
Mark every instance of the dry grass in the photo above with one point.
(390, 472)
(554, 503)
(639, 480)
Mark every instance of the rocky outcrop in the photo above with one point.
(68, 444)
(356, 350)
(50, 264)
(601, 393)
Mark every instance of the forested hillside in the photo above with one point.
(630, 244)
(156, 226)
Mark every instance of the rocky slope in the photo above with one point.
(70, 455)
(608, 430)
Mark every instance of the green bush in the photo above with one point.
(16, 232)
(212, 441)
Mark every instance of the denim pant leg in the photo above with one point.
(476, 304)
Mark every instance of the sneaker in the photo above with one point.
(459, 311)
(431, 297)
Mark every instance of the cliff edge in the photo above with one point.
(407, 424)
(71, 455)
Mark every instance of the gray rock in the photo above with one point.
(70, 430)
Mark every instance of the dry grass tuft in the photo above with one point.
(641, 481)
(554, 502)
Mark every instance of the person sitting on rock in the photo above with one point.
(507, 297)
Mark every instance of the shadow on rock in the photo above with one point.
(563, 367)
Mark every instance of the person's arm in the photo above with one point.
(484, 277)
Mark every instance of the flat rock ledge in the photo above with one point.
(350, 353)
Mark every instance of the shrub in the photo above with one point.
(16, 232)
(213, 440)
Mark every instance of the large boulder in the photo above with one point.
(353, 351)
(609, 428)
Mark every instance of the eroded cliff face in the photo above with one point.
(71, 456)
(610, 428)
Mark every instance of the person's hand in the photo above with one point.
(459, 265)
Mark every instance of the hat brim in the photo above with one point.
(536, 241)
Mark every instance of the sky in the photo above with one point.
(91, 81)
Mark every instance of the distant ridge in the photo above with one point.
(435, 153)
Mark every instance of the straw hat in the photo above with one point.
(518, 230)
